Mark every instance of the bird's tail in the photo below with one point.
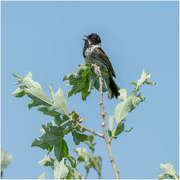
(113, 89)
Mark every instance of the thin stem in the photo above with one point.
(87, 171)
(92, 131)
(104, 125)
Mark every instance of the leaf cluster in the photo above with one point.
(168, 170)
(53, 133)
(83, 81)
(128, 104)
(90, 161)
(5, 160)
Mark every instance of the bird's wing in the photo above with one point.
(106, 59)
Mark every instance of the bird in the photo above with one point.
(93, 54)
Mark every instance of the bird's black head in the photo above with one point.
(94, 39)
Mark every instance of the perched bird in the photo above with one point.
(93, 54)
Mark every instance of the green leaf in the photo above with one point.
(5, 159)
(60, 170)
(91, 78)
(82, 154)
(169, 170)
(30, 83)
(60, 102)
(110, 122)
(96, 162)
(47, 161)
(110, 133)
(76, 137)
(144, 77)
(20, 80)
(150, 83)
(128, 130)
(96, 85)
(119, 129)
(79, 86)
(61, 150)
(47, 138)
(19, 92)
(38, 97)
(73, 174)
(49, 111)
(123, 108)
(123, 94)
(72, 160)
(91, 138)
(83, 137)
(42, 176)
(58, 120)
(81, 67)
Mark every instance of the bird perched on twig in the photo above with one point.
(93, 54)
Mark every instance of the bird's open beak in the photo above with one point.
(84, 38)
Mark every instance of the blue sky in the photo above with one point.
(46, 39)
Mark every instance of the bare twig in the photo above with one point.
(104, 125)
(92, 131)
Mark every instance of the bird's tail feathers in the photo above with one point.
(113, 89)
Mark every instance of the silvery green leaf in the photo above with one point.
(60, 170)
(60, 102)
(110, 122)
(123, 94)
(42, 176)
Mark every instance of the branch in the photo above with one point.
(92, 131)
(103, 123)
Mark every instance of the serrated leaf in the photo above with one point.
(5, 159)
(42, 176)
(47, 161)
(60, 170)
(19, 92)
(38, 97)
(79, 86)
(60, 102)
(49, 111)
(30, 83)
(47, 138)
(61, 150)
(76, 137)
(119, 128)
(58, 120)
(110, 122)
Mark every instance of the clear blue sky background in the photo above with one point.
(46, 39)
